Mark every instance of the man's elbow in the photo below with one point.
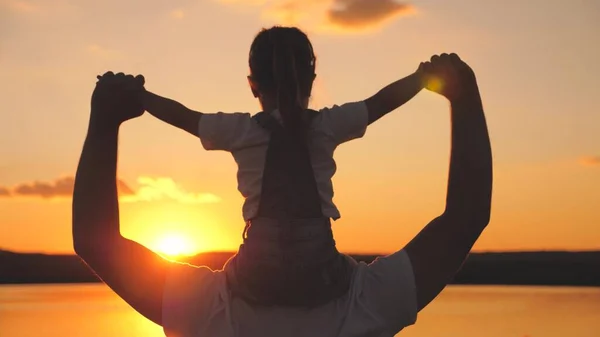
(82, 247)
(483, 212)
(476, 218)
(90, 245)
(481, 221)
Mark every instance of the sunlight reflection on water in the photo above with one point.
(466, 311)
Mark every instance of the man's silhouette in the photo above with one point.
(177, 296)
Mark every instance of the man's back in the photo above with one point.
(197, 302)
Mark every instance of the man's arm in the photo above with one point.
(393, 96)
(134, 272)
(172, 112)
(439, 250)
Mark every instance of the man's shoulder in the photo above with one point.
(191, 295)
(189, 286)
(187, 275)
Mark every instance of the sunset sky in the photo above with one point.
(537, 64)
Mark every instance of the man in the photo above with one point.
(189, 301)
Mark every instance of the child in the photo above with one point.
(285, 166)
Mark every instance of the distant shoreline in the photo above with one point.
(545, 268)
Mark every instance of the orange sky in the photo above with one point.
(535, 63)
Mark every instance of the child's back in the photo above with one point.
(241, 134)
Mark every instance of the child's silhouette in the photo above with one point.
(285, 166)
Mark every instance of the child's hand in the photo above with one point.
(448, 75)
(126, 81)
(422, 74)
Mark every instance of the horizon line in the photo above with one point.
(597, 250)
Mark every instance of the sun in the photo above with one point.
(175, 244)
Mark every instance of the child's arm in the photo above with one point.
(394, 95)
(172, 112)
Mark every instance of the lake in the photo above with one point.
(93, 310)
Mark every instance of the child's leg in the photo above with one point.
(290, 263)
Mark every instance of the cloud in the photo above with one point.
(590, 161)
(4, 192)
(339, 16)
(150, 189)
(362, 14)
(59, 188)
(177, 14)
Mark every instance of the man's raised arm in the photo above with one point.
(439, 250)
(134, 272)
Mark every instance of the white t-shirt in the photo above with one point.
(247, 141)
(381, 302)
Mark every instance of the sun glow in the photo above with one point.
(435, 84)
(175, 244)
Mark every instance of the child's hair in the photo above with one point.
(282, 62)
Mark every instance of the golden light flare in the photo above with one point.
(435, 84)
(174, 245)
(177, 230)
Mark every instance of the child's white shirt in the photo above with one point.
(247, 141)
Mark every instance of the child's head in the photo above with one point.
(282, 71)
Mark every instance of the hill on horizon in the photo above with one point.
(499, 268)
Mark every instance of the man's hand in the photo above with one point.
(116, 98)
(449, 76)
(133, 271)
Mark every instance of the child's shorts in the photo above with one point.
(289, 262)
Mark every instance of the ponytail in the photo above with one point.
(289, 96)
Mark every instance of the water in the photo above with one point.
(466, 311)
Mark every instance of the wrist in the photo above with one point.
(102, 126)
(468, 94)
(466, 107)
(146, 97)
(421, 78)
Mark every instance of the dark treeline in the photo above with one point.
(521, 268)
